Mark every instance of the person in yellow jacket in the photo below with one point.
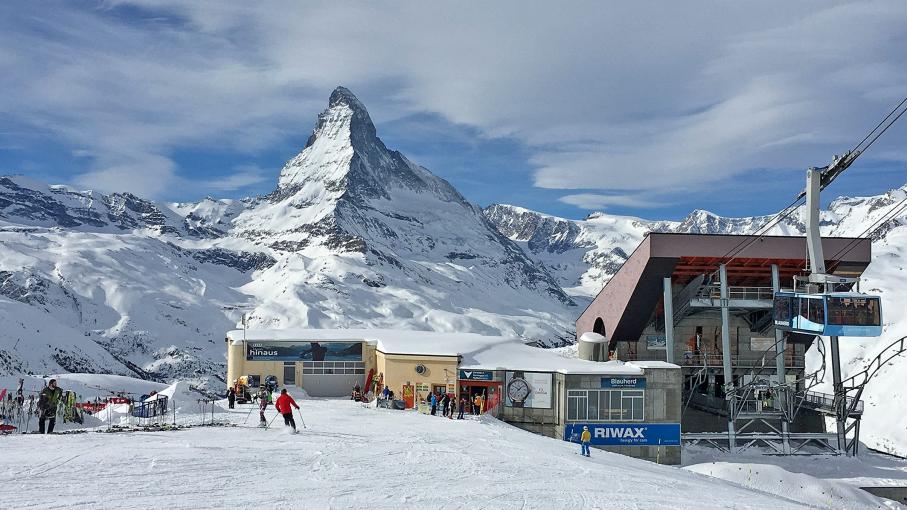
(585, 438)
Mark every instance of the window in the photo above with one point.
(333, 367)
(855, 311)
(606, 405)
(782, 309)
(816, 312)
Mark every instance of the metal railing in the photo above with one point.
(755, 293)
(715, 359)
(826, 402)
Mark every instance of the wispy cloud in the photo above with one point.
(611, 98)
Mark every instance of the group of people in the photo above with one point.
(449, 405)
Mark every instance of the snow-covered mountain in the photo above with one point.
(584, 254)
(354, 235)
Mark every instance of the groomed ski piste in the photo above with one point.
(353, 456)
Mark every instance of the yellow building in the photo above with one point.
(329, 363)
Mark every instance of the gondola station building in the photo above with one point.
(706, 303)
(630, 408)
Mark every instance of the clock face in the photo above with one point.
(518, 390)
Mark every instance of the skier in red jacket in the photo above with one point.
(285, 405)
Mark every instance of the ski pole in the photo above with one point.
(300, 418)
(272, 420)
(250, 414)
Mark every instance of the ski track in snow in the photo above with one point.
(349, 457)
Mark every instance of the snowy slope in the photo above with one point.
(348, 457)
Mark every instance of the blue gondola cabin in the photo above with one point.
(836, 314)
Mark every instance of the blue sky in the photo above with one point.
(648, 109)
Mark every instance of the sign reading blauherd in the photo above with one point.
(623, 382)
(304, 351)
(626, 434)
(476, 375)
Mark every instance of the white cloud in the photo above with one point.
(599, 202)
(242, 177)
(610, 98)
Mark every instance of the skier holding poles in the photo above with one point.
(262, 405)
(285, 405)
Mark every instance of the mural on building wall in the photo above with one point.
(304, 351)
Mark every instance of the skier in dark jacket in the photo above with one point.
(285, 405)
(231, 397)
(463, 404)
(47, 405)
(262, 405)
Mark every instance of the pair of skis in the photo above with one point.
(278, 414)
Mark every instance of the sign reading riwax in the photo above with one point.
(304, 351)
(626, 434)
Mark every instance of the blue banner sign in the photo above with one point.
(623, 382)
(626, 434)
(476, 375)
(304, 351)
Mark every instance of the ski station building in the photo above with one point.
(705, 303)
(631, 408)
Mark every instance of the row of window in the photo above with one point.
(333, 364)
(333, 367)
(606, 405)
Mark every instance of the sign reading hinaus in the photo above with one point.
(623, 382)
(626, 434)
(476, 375)
(304, 351)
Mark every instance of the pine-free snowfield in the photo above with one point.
(349, 457)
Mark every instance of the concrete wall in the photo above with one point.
(662, 405)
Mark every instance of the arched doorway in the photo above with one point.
(599, 326)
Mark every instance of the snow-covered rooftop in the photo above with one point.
(478, 352)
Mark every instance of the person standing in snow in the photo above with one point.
(285, 405)
(434, 404)
(262, 405)
(445, 405)
(452, 407)
(231, 397)
(463, 404)
(585, 439)
(47, 405)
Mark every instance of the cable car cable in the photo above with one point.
(857, 146)
(856, 153)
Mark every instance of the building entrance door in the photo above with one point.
(289, 373)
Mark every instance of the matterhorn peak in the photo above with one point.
(345, 118)
(343, 96)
